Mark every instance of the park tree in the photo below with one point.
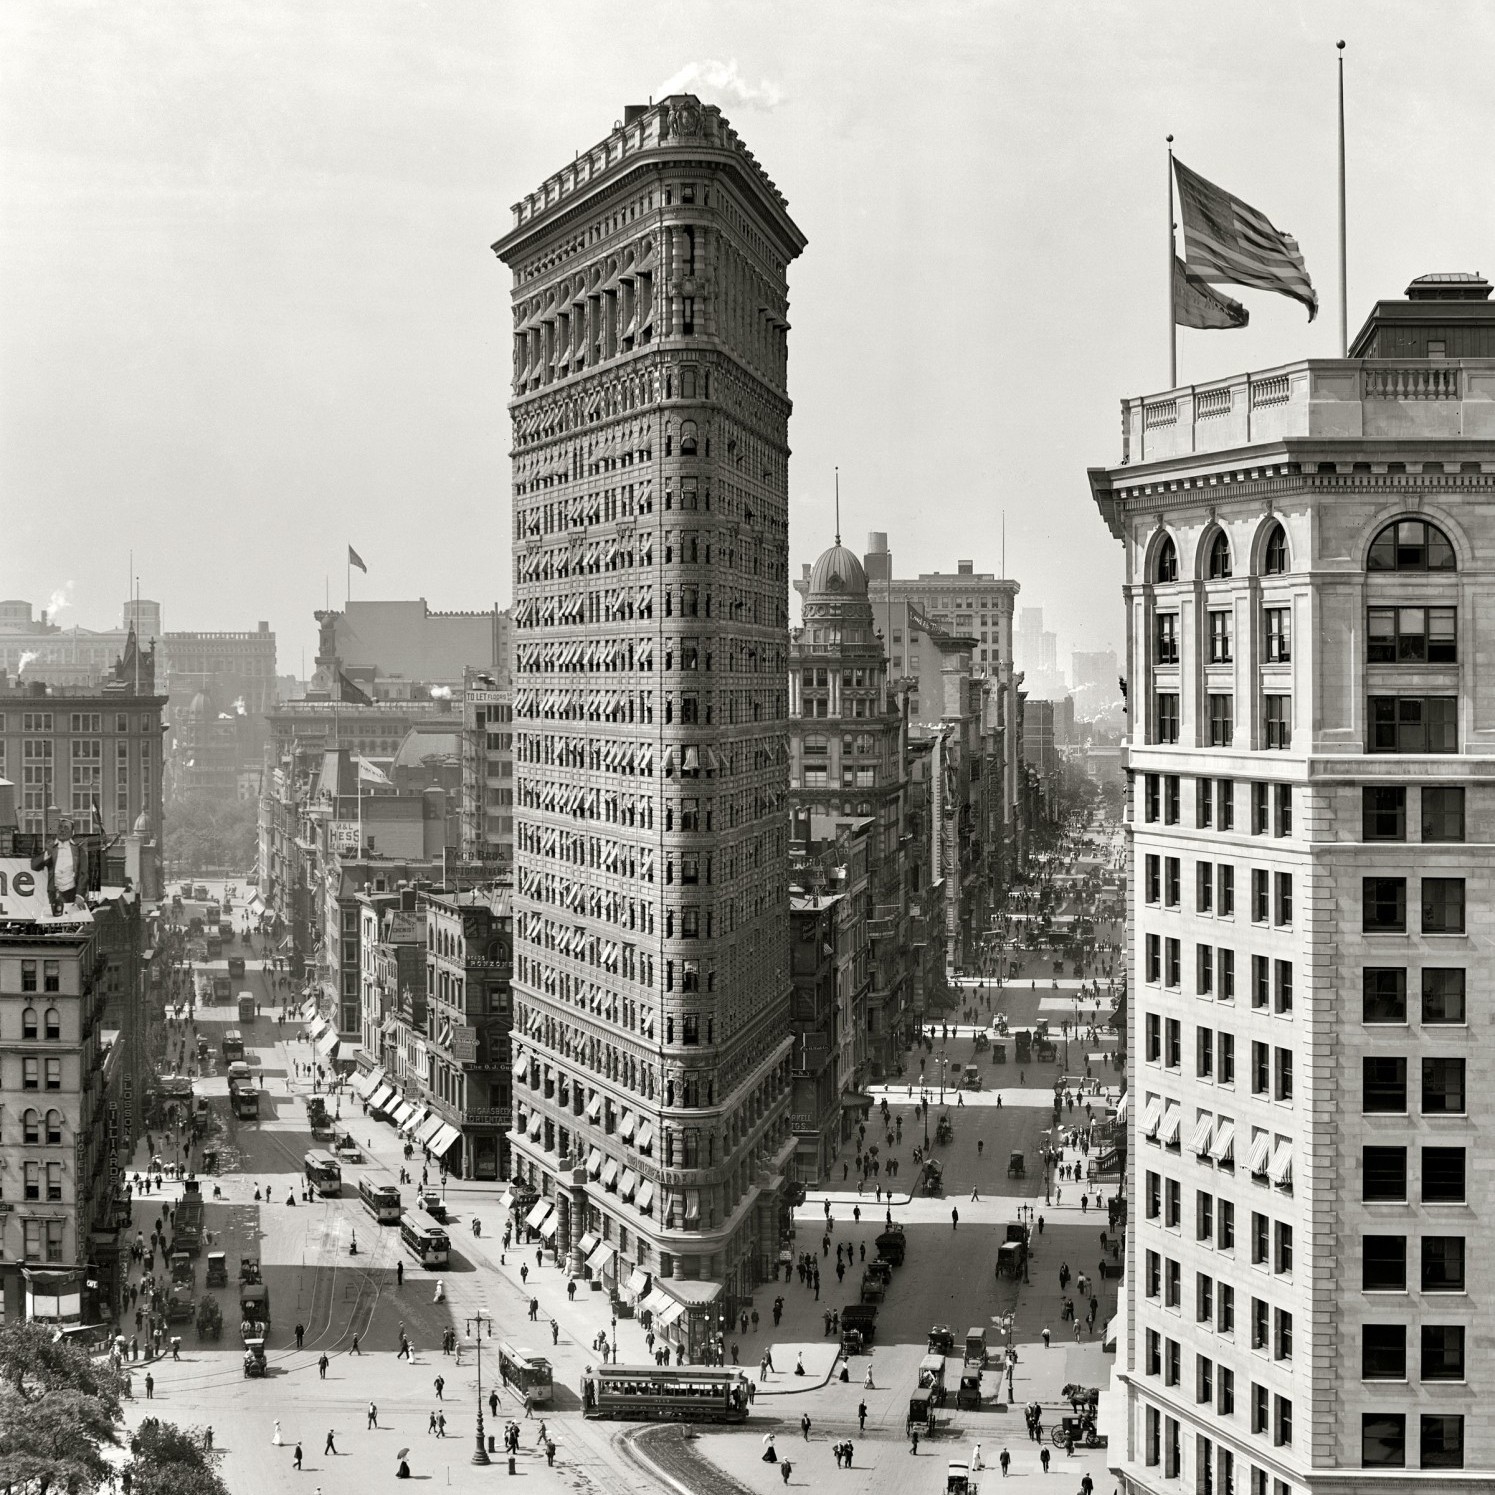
(169, 1460)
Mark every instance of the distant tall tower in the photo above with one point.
(650, 468)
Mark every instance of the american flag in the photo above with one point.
(1229, 241)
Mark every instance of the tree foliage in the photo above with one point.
(204, 831)
(170, 1460)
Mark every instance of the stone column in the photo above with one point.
(578, 1206)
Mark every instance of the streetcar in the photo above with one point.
(324, 1173)
(233, 1046)
(382, 1201)
(424, 1239)
(527, 1372)
(651, 1393)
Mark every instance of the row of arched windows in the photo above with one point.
(52, 1021)
(31, 1127)
(1402, 545)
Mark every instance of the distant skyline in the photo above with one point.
(249, 313)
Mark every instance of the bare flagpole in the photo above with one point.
(1172, 255)
(1344, 298)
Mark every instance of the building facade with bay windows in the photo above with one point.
(651, 1042)
(1312, 761)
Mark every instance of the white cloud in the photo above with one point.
(723, 79)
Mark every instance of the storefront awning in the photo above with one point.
(415, 1120)
(327, 1043)
(506, 1202)
(402, 1113)
(670, 1312)
(442, 1142)
(426, 1130)
(1224, 1149)
(316, 1026)
(601, 1256)
(588, 1244)
(638, 1281)
(594, 1108)
(381, 1099)
(625, 1131)
(365, 1085)
(1173, 1120)
(656, 1301)
(548, 1225)
(537, 1214)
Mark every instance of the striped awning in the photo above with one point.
(588, 1243)
(365, 1085)
(548, 1224)
(537, 1214)
(426, 1130)
(381, 1098)
(656, 1300)
(600, 1258)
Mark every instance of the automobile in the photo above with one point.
(217, 1269)
(975, 1346)
(970, 1078)
(932, 1376)
(921, 1410)
(254, 1357)
(968, 1395)
(892, 1246)
(941, 1340)
(958, 1480)
(1017, 1165)
(433, 1204)
(882, 1270)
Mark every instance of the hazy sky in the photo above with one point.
(249, 313)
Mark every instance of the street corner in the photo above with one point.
(798, 1366)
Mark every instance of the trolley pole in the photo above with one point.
(475, 1331)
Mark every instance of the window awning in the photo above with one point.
(626, 1130)
(521, 1067)
(656, 1301)
(507, 1201)
(646, 1136)
(609, 1173)
(645, 1200)
(402, 1113)
(1173, 1120)
(426, 1130)
(638, 1282)
(380, 1100)
(1224, 1149)
(1281, 1171)
(365, 1085)
(594, 1162)
(693, 1212)
(327, 1043)
(594, 1108)
(316, 1027)
(600, 1258)
(1261, 1150)
(588, 1244)
(537, 1214)
(441, 1143)
(415, 1120)
(670, 1312)
(548, 1224)
(1203, 1130)
(627, 1184)
(1152, 1117)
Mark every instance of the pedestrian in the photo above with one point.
(862, 1417)
(355, 1350)
(555, 1332)
(150, 1388)
(493, 1404)
(1043, 1458)
(913, 1436)
(399, 1274)
(296, 1457)
(550, 1453)
(440, 1382)
(1004, 1460)
(524, 1273)
(322, 1365)
(330, 1446)
(1046, 1336)
(954, 1219)
(373, 1415)
(441, 1424)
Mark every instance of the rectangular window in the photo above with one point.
(1443, 1175)
(1282, 1422)
(1279, 635)
(1204, 1053)
(1227, 1067)
(1221, 720)
(1383, 1082)
(1443, 905)
(1227, 891)
(1259, 1406)
(1414, 724)
(1154, 1028)
(1384, 905)
(1383, 1352)
(1442, 1352)
(1152, 798)
(1443, 994)
(1383, 813)
(1153, 959)
(1283, 793)
(1152, 878)
(1204, 969)
(1277, 722)
(1261, 1068)
(1261, 901)
(1173, 1052)
(1172, 798)
(1443, 814)
(1225, 803)
(1204, 1378)
(1173, 963)
(1172, 882)
(1225, 1236)
(1172, 1285)
(1383, 1267)
(1204, 887)
(1220, 638)
(1154, 1362)
(1383, 1440)
(1283, 974)
(1283, 912)
(1443, 1264)
(1225, 960)
(1261, 1237)
(1172, 1204)
(1204, 803)
(1284, 1090)
(1412, 635)
(1154, 1195)
(1443, 1087)
(1165, 636)
(1384, 995)
(1167, 715)
(1225, 1405)
(1260, 809)
(1225, 1321)
(1282, 1334)
(1153, 1274)
(1152, 1451)
(1283, 1248)
(1204, 1217)
(1442, 1440)
(1383, 1175)
(1261, 983)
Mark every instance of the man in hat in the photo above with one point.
(64, 864)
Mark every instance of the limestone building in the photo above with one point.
(1312, 908)
(650, 461)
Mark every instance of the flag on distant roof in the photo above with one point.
(369, 774)
(354, 559)
(349, 694)
(1229, 241)
(1198, 304)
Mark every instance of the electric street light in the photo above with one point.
(480, 1453)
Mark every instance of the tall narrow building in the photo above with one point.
(650, 464)
(1311, 907)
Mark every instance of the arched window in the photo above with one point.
(54, 1023)
(687, 438)
(31, 1126)
(54, 1128)
(28, 1022)
(1165, 568)
(1274, 558)
(1219, 558)
(1411, 545)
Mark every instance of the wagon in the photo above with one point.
(1017, 1165)
(1081, 1429)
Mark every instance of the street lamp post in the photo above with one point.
(475, 1330)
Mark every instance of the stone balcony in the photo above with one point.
(1329, 399)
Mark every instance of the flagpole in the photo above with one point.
(1344, 298)
(1172, 255)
